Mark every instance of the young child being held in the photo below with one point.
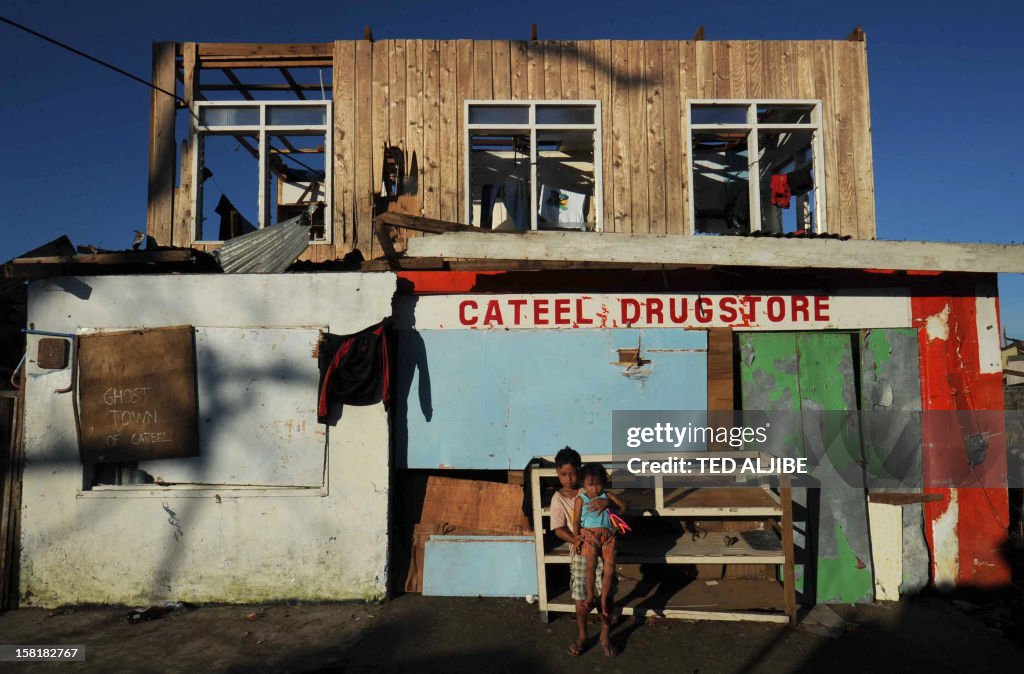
(564, 526)
(595, 534)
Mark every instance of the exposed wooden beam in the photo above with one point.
(730, 251)
(242, 89)
(260, 87)
(294, 150)
(130, 257)
(367, 33)
(265, 50)
(421, 224)
(291, 82)
(181, 230)
(236, 63)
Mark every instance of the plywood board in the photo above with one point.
(489, 506)
(137, 395)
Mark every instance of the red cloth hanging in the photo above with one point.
(780, 190)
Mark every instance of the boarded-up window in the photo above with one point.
(137, 395)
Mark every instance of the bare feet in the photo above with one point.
(576, 648)
(610, 651)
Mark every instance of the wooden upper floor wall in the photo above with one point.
(411, 93)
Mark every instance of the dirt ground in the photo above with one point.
(428, 634)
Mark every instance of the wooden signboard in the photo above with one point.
(137, 395)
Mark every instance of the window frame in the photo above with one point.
(533, 127)
(90, 489)
(752, 126)
(263, 130)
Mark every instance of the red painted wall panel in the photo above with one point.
(951, 380)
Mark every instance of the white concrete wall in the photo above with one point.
(224, 544)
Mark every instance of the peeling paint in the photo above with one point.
(946, 564)
(987, 323)
(885, 396)
(937, 325)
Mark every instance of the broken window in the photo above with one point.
(534, 165)
(259, 163)
(756, 166)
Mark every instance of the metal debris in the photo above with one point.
(270, 250)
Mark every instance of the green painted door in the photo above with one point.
(815, 375)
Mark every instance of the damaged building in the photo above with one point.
(512, 240)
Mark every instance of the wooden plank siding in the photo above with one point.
(412, 93)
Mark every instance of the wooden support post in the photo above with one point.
(788, 569)
(538, 530)
(160, 202)
(181, 234)
(10, 506)
(383, 234)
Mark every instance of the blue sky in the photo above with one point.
(946, 97)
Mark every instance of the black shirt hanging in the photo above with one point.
(353, 369)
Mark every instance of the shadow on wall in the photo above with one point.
(410, 358)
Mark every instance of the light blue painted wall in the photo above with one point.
(480, 566)
(480, 399)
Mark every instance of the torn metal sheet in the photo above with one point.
(270, 250)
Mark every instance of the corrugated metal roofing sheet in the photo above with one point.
(270, 250)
